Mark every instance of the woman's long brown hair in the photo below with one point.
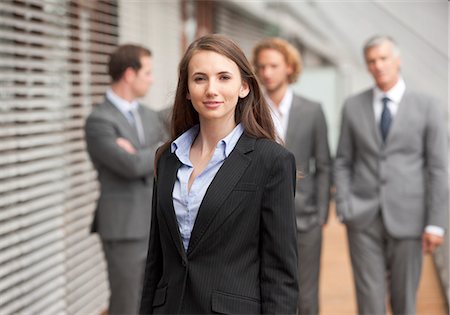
(252, 111)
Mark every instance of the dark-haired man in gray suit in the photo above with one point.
(391, 180)
(122, 137)
(301, 124)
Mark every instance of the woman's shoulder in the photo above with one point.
(269, 156)
(271, 149)
(162, 154)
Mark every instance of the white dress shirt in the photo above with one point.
(395, 95)
(122, 105)
(280, 114)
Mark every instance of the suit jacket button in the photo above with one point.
(184, 263)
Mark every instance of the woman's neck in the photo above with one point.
(211, 133)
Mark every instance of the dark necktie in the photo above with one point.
(386, 119)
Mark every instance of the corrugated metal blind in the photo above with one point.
(52, 63)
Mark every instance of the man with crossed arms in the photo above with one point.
(122, 137)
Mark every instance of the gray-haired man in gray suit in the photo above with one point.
(122, 137)
(301, 124)
(391, 181)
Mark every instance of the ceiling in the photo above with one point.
(337, 30)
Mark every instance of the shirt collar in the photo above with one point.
(231, 140)
(285, 104)
(123, 105)
(181, 146)
(395, 94)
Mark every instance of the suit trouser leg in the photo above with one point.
(367, 255)
(309, 248)
(126, 263)
(405, 263)
(375, 254)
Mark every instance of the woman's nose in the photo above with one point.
(212, 88)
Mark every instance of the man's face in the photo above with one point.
(143, 78)
(272, 69)
(384, 65)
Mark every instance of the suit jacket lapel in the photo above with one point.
(369, 115)
(166, 182)
(223, 183)
(294, 118)
(131, 133)
(398, 118)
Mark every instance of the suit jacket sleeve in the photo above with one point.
(436, 160)
(101, 144)
(343, 166)
(279, 286)
(153, 267)
(323, 166)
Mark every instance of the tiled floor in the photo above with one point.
(337, 291)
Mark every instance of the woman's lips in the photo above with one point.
(212, 104)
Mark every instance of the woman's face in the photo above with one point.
(214, 86)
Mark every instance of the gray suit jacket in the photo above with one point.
(405, 177)
(307, 139)
(126, 180)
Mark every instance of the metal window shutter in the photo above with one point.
(52, 60)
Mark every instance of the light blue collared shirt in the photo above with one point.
(187, 203)
(122, 105)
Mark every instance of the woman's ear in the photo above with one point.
(188, 96)
(243, 92)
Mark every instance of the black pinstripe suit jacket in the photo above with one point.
(242, 255)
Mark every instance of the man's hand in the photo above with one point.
(430, 242)
(125, 145)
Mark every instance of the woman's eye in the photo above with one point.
(198, 79)
(225, 77)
